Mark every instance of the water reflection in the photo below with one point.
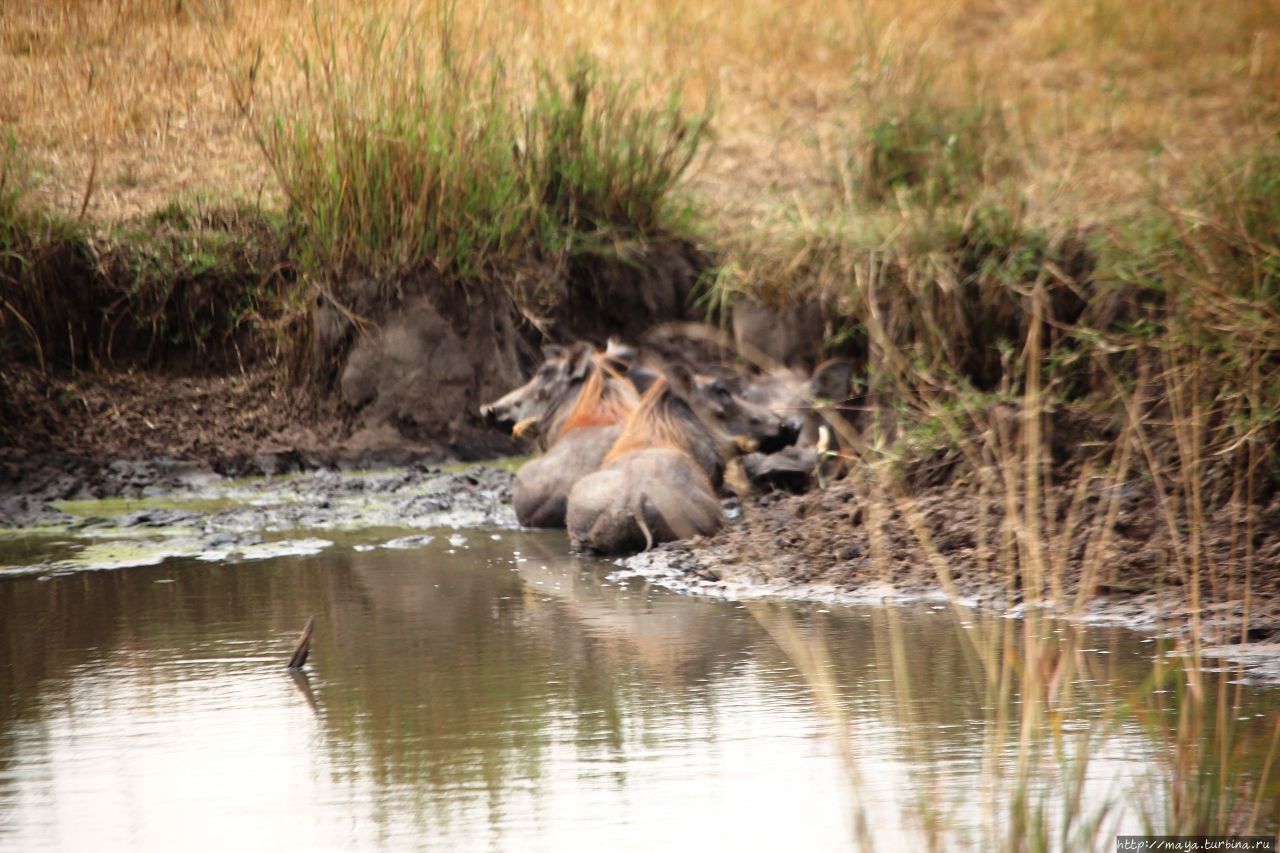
(490, 691)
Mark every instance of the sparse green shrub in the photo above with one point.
(17, 225)
(910, 141)
(1200, 291)
(595, 162)
(190, 278)
(1227, 242)
(193, 275)
(1245, 229)
(27, 302)
(948, 290)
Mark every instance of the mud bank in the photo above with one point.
(367, 374)
(823, 546)
(136, 434)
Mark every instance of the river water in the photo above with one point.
(482, 689)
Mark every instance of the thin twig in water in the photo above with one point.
(303, 648)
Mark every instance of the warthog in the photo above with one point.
(716, 404)
(650, 489)
(574, 405)
(791, 393)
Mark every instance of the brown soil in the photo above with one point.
(64, 432)
(141, 413)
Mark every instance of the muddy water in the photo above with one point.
(483, 690)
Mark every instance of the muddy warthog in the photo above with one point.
(650, 489)
(790, 393)
(574, 405)
(811, 400)
(716, 403)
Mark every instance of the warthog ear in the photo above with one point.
(580, 359)
(550, 352)
(832, 380)
(680, 379)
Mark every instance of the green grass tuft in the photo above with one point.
(414, 154)
(930, 153)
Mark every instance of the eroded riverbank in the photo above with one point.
(838, 545)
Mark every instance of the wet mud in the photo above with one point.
(217, 519)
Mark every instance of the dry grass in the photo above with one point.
(132, 98)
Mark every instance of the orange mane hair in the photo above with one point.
(600, 402)
(651, 425)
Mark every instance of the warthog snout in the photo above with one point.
(561, 368)
(775, 433)
(498, 415)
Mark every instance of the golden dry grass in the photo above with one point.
(134, 100)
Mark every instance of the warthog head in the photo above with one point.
(718, 405)
(519, 410)
(800, 398)
(749, 425)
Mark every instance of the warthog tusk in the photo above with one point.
(528, 425)
(824, 440)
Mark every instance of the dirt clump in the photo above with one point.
(124, 432)
(422, 364)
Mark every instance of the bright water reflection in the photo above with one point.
(491, 693)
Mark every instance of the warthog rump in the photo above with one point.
(650, 489)
(540, 492)
(640, 499)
